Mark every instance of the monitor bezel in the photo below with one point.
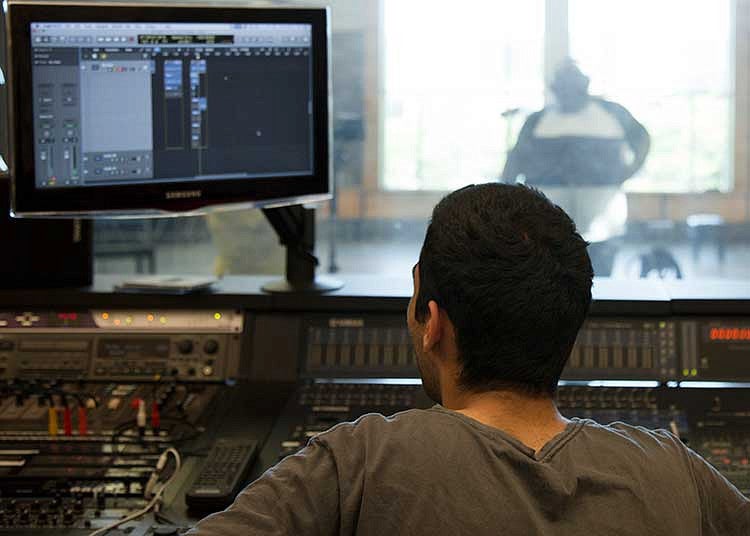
(158, 198)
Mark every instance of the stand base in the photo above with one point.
(320, 285)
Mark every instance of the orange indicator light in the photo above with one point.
(729, 334)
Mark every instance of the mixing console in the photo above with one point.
(374, 345)
(90, 399)
(319, 405)
(625, 348)
(80, 454)
(720, 435)
(69, 513)
(645, 348)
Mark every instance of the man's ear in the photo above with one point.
(433, 329)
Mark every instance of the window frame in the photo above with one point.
(371, 200)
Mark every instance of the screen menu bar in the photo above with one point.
(56, 34)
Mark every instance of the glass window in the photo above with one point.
(455, 78)
(670, 63)
(429, 96)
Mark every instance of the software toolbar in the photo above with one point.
(59, 34)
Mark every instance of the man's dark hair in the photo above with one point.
(514, 277)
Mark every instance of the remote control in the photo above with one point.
(223, 474)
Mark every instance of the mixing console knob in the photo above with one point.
(185, 346)
(67, 517)
(211, 346)
(207, 371)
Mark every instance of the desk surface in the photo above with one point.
(389, 294)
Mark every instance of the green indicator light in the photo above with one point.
(685, 372)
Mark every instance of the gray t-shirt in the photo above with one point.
(439, 472)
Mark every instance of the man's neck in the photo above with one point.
(533, 420)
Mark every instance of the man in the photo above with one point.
(579, 150)
(579, 139)
(501, 289)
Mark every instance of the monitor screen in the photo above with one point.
(173, 109)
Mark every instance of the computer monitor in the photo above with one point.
(122, 109)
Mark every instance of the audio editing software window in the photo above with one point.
(118, 103)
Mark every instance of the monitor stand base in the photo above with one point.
(320, 285)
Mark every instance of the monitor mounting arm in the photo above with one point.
(295, 226)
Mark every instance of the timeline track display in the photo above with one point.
(125, 103)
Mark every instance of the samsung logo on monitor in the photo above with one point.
(184, 194)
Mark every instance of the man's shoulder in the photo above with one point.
(624, 429)
(379, 428)
(634, 438)
(614, 108)
(533, 118)
(375, 421)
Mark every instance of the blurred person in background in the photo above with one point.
(579, 151)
